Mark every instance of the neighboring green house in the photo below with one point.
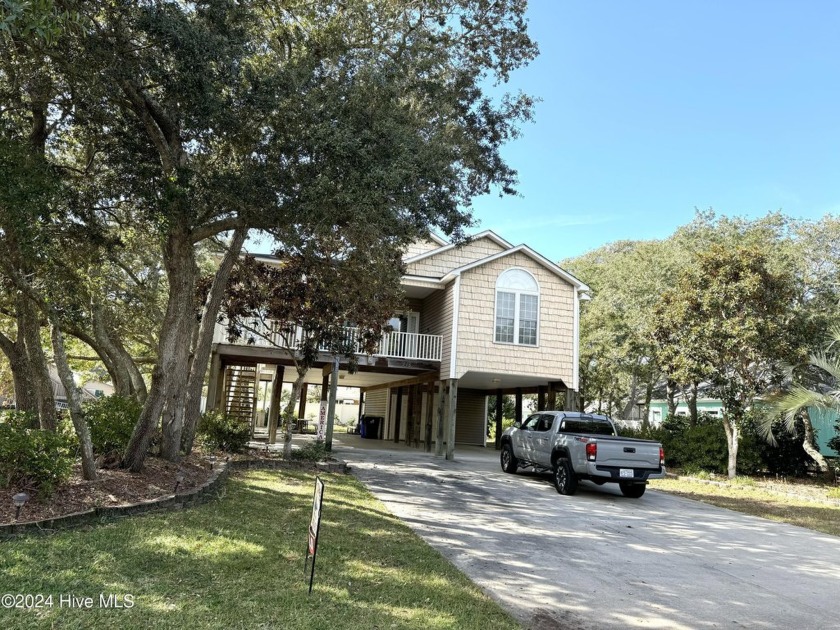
(659, 409)
(822, 421)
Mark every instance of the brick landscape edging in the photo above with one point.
(336, 466)
(207, 491)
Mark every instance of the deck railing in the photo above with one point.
(399, 345)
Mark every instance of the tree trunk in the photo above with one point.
(648, 397)
(809, 444)
(25, 399)
(119, 378)
(627, 412)
(692, 405)
(138, 446)
(730, 427)
(204, 341)
(30, 325)
(289, 414)
(181, 271)
(670, 395)
(123, 359)
(106, 349)
(73, 402)
(169, 376)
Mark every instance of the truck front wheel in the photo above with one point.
(565, 481)
(509, 461)
(632, 490)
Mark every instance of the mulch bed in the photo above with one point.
(114, 487)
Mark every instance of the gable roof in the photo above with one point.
(536, 257)
(489, 234)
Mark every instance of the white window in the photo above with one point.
(517, 307)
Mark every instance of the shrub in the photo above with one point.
(219, 431)
(787, 457)
(311, 452)
(111, 420)
(642, 433)
(702, 447)
(834, 442)
(33, 459)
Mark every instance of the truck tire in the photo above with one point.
(632, 490)
(508, 459)
(565, 481)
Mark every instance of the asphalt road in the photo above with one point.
(598, 559)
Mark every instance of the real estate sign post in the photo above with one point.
(314, 530)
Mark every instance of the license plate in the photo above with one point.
(625, 472)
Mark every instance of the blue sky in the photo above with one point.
(650, 109)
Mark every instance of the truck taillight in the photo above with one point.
(591, 451)
(661, 456)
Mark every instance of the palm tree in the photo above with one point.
(819, 387)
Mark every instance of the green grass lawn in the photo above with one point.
(238, 563)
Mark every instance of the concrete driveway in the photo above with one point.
(597, 559)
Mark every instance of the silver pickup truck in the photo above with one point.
(575, 446)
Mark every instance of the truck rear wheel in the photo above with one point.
(565, 481)
(632, 490)
(508, 459)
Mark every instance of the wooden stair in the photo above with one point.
(240, 392)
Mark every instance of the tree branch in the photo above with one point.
(216, 227)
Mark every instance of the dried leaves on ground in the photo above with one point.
(114, 487)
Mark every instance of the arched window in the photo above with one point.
(517, 307)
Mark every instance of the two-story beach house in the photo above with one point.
(483, 318)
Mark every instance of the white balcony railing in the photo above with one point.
(399, 345)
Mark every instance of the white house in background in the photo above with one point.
(484, 317)
(90, 390)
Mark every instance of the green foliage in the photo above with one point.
(692, 449)
(643, 433)
(111, 420)
(219, 431)
(508, 413)
(311, 452)
(783, 455)
(834, 443)
(33, 459)
(626, 279)
(703, 447)
(729, 320)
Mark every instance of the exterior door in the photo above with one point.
(412, 326)
(403, 342)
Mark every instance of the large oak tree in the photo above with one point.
(366, 119)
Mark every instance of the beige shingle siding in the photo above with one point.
(436, 315)
(471, 418)
(375, 402)
(419, 247)
(477, 351)
(439, 265)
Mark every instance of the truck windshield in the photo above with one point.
(587, 424)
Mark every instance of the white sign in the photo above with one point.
(322, 420)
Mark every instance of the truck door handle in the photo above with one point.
(628, 449)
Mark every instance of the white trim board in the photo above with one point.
(539, 258)
(481, 235)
